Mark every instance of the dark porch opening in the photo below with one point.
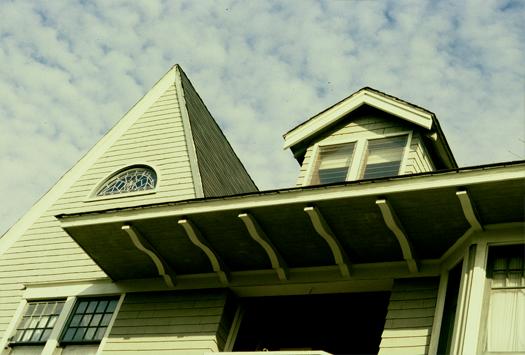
(349, 323)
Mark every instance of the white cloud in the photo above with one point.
(70, 70)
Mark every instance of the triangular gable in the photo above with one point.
(157, 132)
(365, 96)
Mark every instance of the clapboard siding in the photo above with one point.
(45, 253)
(410, 315)
(174, 322)
(418, 158)
(221, 171)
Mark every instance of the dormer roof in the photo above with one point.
(413, 114)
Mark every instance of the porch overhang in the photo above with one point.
(407, 221)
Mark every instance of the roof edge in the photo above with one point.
(367, 95)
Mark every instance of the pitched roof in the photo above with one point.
(368, 96)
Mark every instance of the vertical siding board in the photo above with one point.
(408, 324)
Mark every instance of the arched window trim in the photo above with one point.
(93, 195)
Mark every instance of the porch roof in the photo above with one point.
(408, 219)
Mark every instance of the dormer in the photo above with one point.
(368, 135)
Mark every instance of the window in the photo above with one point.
(333, 163)
(383, 157)
(130, 180)
(38, 321)
(89, 320)
(506, 313)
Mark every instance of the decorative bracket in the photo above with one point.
(196, 238)
(256, 232)
(324, 230)
(468, 210)
(393, 223)
(143, 245)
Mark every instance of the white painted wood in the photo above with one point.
(141, 244)
(468, 210)
(11, 328)
(196, 238)
(438, 314)
(452, 179)
(258, 234)
(396, 227)
(328, 117)
(53, 342)
(324, 230)
(234, 330)
(475, 300)
(462, 305)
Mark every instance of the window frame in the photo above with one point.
(470, 320)
(487, 294)
(54, 340)
(357, 164)
(92, 196)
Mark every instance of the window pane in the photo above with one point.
(81, 307)
(112, 306)
(79, 335)
(506, 313)
(100, 333)
(75, 321)
(101, 306)
(506, 321)
(36, 335)
(90, 334)
(332, 164)
(384, 157)
(89, 320)
(92, 306)
(69, 334)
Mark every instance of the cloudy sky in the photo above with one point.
(69, 70)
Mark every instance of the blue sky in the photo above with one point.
(69, 70)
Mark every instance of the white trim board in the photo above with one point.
(376, 188)
(362, 97)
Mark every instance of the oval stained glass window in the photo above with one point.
(130, 180)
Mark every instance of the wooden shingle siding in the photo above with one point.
(221, 171)
(168, 322)
(410, 315)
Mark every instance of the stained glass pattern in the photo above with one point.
(89, 320)
(38, 321)
(131, 180)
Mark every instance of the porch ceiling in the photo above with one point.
(355, 231)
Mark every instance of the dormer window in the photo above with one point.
(362, 159)
(138, 178)
(383, 157)
(333, 163)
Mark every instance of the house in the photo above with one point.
(158, 241)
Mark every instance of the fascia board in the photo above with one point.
(452, 179)
(10, 237)
(382, 103)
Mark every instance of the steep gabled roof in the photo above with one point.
(402, 109)
(169, 129)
